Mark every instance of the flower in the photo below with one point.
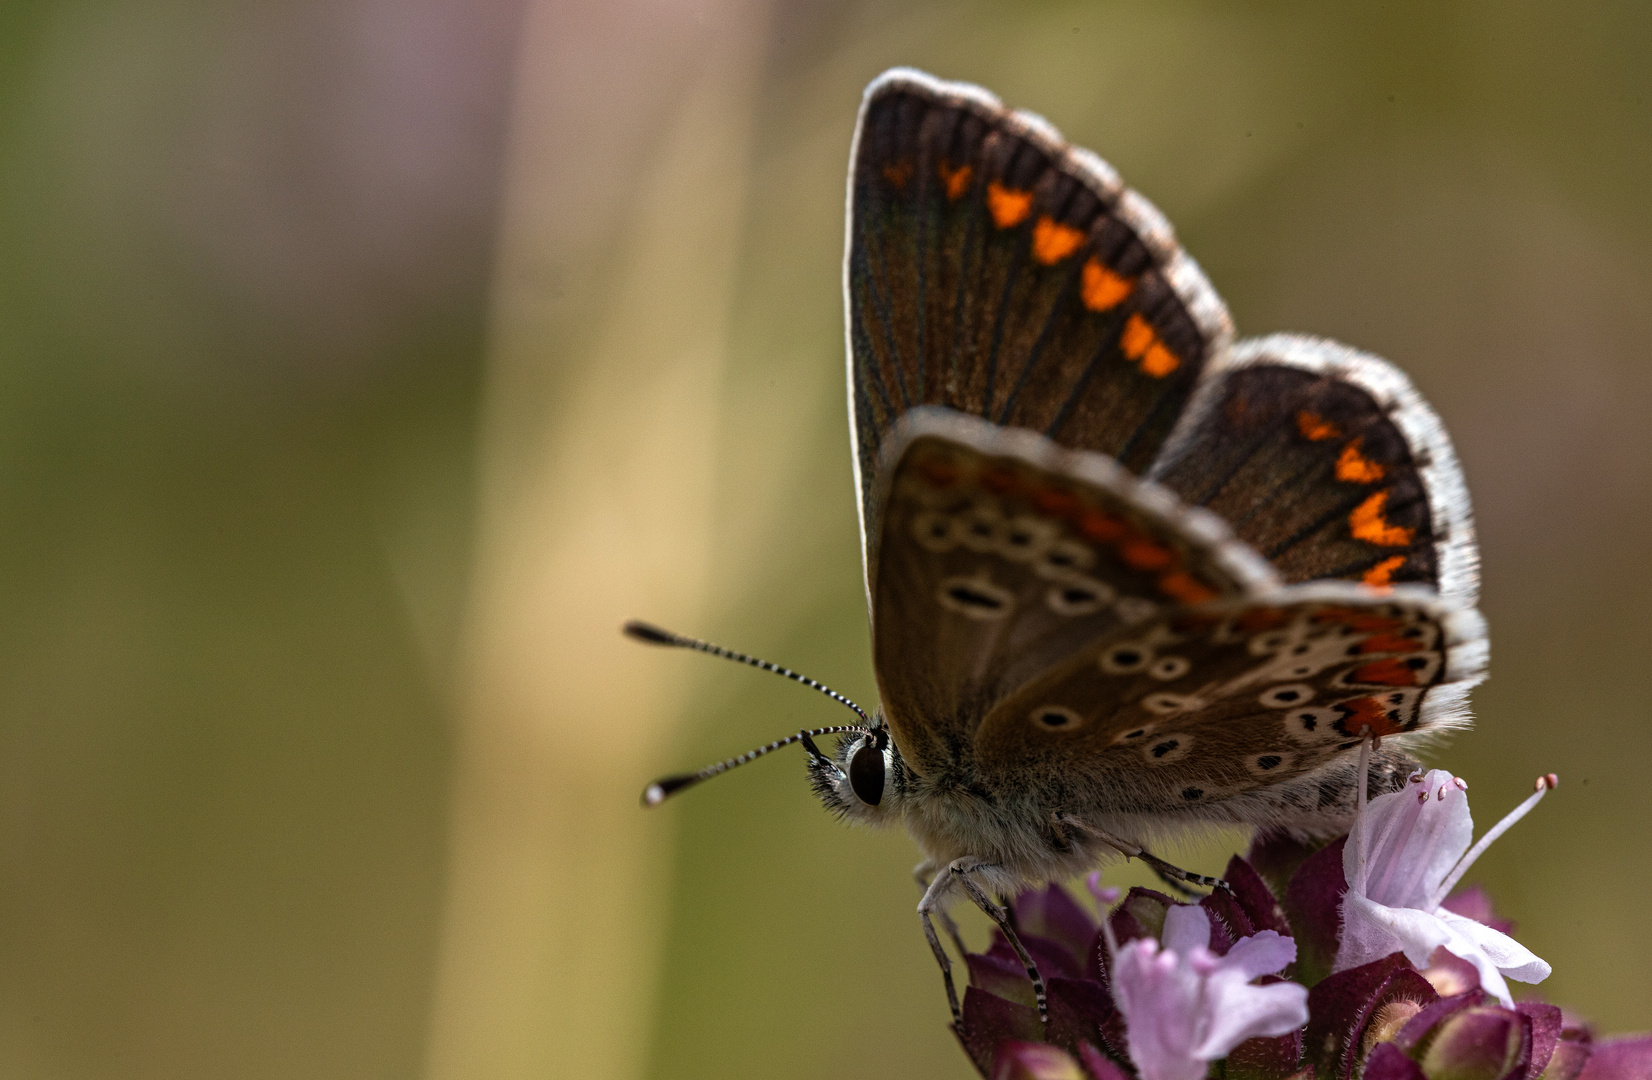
(1185, 1007)
(1407, 850)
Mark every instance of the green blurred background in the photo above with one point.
(363, 364)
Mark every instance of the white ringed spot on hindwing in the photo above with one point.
(1125, 659)
(1164, 749)
(1284, 697)
(1312, 726)
(1056, 718)
(1134, 736)
(1168, 704)
(1168, 668)
(1270, 763)
(975, 597)
(934, 531)
(1077, 594)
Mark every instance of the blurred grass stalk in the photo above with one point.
(598, 449)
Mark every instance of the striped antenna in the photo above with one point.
(656, 793)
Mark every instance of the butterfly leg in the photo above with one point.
(1167, 872)
(958, 871)
(929, 904)
(922, 874)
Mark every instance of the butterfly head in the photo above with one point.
(863, 779)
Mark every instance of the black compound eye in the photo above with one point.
(866, 774)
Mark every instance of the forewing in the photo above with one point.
(1002, 554)
(995, 270)
(1330, 464)
(1203, 704)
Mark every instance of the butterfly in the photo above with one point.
(1124, 574)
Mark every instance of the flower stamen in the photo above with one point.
(1545, 783)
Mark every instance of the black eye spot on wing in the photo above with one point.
(1165, 747)
(1268, 761)
(1056, 718)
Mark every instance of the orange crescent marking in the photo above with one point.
(1389, 643)
(1099, 526)
(1053, 241)
(1009, 207)
(956, 180)
(1385, 673)
(1366, 523)
(1146, 555)
(898, 173)
(1103, 289)
(1367, 712)
(938, 471)
(1159, 360)
(1140, 342)
(1137, 338)
(1356, 468)
(1183, 586)
(1383, 573)
(1265, 619)
(1053, 502)
(1316, 428)
(999, 479)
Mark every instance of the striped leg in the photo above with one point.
(958, 871)
(1167, 872)
(922, 874)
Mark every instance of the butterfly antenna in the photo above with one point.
(657, 792)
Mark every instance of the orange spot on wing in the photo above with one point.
(1367, 712)
(1367, 523)
(1356, 468)
(1385, 673)
(1145, 555)
(1359, 619)
(1383, 573)
(1099, 526)
(1102, 289)
(999, 479)
(938, 471)
(1053, 241)
(898, 173)
(1009, 206)
(1141, 343)
(1183, 586)
(956, 180)
(1389, 643)
(1054, 502)
(1262, 619)
(1160, 361)
(1316, 428)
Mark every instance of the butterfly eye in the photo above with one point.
(866, 774)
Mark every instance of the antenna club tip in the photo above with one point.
(653, 795)
(1548, 782)
(647, 632)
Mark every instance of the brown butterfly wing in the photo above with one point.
(1002, 553)
(1207, 703)
(997, 271)
(1330, 464)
